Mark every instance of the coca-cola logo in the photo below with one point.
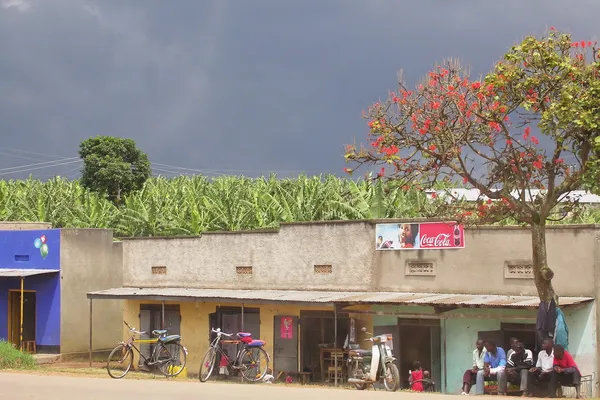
(441, 240)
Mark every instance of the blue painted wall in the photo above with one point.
(21, 250)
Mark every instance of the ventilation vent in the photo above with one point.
(518, 270)
(323, 269)
(20, 257)
(159, 270)
(243, 270)
(417, 268)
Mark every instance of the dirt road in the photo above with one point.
(48, 387)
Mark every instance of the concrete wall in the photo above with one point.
(281, 259)
(285, 259)
(23, 226)
(90, 261)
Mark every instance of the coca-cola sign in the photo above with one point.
(423, 235)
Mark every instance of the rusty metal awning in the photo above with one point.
(22, 273)
(327, 297)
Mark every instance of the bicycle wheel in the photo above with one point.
(122, 356)
(255, 362)
(208, 364)
(171, 359)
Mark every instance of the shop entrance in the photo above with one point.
(420, 340)
(14, 318)
(318, 343)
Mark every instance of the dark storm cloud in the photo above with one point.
(234, 85)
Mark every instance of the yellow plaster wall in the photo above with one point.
(195, 329)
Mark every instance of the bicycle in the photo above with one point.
(169, 362)
(248, 360)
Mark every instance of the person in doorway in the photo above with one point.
(513, 344)
(518, 366)
(416, 377)
(565, 371)
(540, 374)
(470, 375)
(494, 366)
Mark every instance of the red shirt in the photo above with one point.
(417, 376)
(566, 362)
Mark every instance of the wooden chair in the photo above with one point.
(341, 371)
(28, 346)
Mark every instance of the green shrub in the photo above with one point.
(12, 358)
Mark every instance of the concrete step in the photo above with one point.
(41, 359)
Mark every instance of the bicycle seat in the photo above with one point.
(244, 334)
(159, 332)
(256, 343)
(170, 339)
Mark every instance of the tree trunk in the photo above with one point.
(542, 273)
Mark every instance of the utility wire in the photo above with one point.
(39, 167)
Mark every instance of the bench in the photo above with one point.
(491, 387)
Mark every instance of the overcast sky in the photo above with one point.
(233, 86)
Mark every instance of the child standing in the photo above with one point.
(416, 377)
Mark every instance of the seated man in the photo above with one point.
(542, 370)
(513, 345)
(565, 372)
(470, 376)
(518, 366)
(493, 369)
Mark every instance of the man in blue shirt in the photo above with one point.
(494, 365)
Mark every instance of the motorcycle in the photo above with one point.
(369, 367)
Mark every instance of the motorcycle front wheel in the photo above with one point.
(354, 373)
(391, 380)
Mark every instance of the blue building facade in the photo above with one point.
(30, 266)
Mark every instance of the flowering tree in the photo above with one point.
(523, 136)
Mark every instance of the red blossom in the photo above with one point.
(537, 164)
(348, 170)
(527, 132)
(535, 140)
(489, 201)
(476, 85)
(559, 161)
(552, 28)
(509, 142)
(432, 147)
(390, 151)
(381, 172)
(433, 195)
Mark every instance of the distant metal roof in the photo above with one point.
(18, 273)
(582, 196)
(324, 297)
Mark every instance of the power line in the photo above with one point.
(39, 167)
(30, 152)
(47, 163)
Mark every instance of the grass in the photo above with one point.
(12, 358)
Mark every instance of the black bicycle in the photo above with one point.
(251, 360)
(168, 356)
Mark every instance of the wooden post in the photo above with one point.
(21, 326)
(162, 316)
(242, 318)
(90, 344)
(335, 355)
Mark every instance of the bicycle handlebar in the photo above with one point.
(134, 330)
(218, 332)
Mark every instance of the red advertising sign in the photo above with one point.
(423, 235)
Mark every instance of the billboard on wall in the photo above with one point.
(422, 235)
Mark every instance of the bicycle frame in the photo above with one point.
(235, 364)
(130, 343)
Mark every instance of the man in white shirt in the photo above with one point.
(470, 376)
(543, 368)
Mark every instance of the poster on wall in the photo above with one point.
(423, 235)
(286, 328)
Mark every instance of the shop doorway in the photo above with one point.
(230, 320)
(318, 341)
(14, 318)
(285, 344)
(419, 340)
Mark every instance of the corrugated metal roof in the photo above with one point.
(323, 297)
(17, 273)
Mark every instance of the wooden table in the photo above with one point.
(329, 355)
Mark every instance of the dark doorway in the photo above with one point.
(151, 319)
(285, 344)
(420, 340)
(29, 316)
(318, 339)
(229, 320)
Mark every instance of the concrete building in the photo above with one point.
(44, 277)
(436, 296)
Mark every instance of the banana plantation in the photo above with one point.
(190, 205)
